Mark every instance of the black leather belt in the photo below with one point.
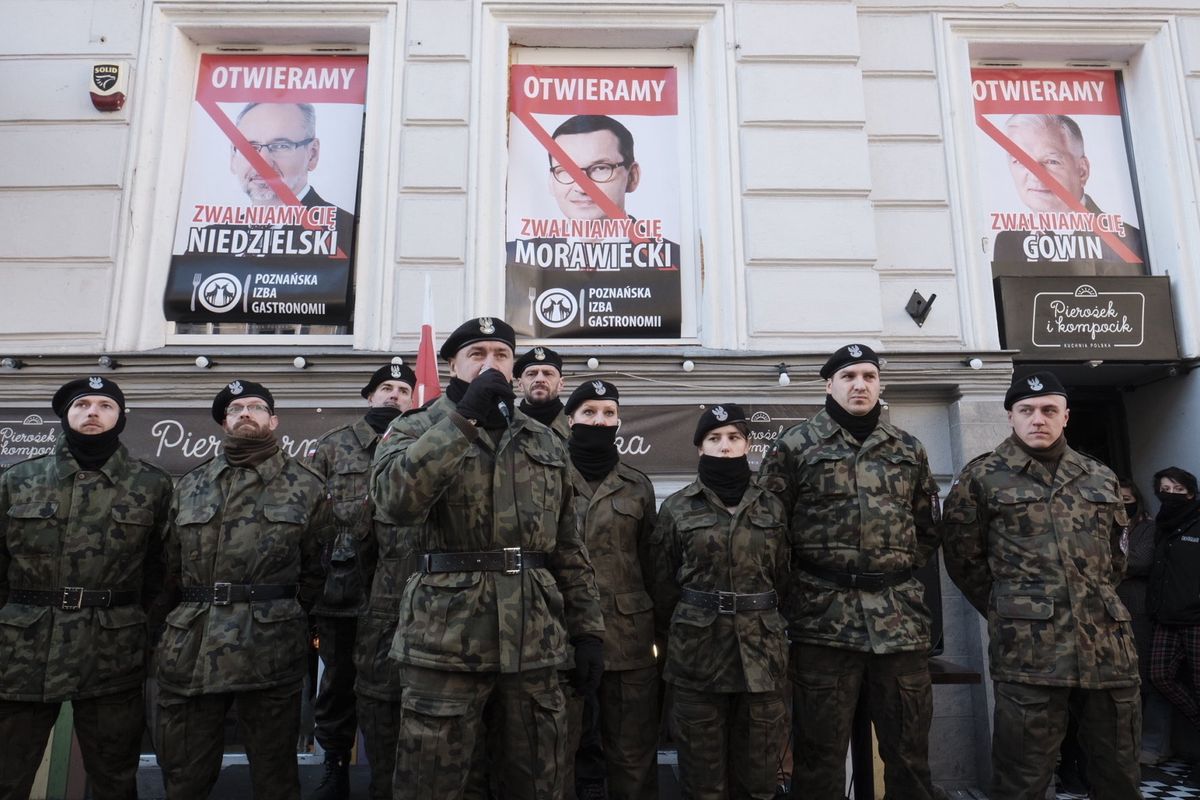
(73, 598)
(510, 560)
(222, 594)
(730, 602)
(866, 581)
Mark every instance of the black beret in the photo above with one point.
(1035, 385)
(478, 329)
(538, 355)
(845, 356)
(236, 390)
(390, 372)
(717, 417)
(81, 387)
(591, 390)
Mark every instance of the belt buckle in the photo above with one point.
(726, 602)
(513, 562)
(221, 593)
(72, 598)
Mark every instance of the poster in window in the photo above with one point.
(1054, 166)
(594, 241)
(265, 231)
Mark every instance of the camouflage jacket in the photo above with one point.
(617, 522)
(97, 529)
(343, 458)
(700, 545)
(264, 525)
(1035, 554)
(434, 469)
(868, 508)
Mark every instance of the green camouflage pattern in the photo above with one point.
(730, 744)
(616, 522)
(389, 553)
(869, 508)
(561, 426)
(700, 545)
(98, 529)
(437, 471)
(343, 458)
(1034, 553)
(263, 525)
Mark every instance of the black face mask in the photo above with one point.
(545, 413)
(727, 477)
(91, 451)
(1175, 509)
(1131, 509)
(379, 418)
(593, 450)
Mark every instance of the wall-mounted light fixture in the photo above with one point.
(108, 362)
(203, 362)
(397, 360)
(299, 362)
(593, 363)
(918, 307)
(9, 362)
(688, 365)
(974, 362)
(784, 378)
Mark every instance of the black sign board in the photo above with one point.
(1086, 318)
(655, 439)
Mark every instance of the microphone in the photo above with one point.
(503, 410)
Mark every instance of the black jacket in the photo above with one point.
(1174, 593)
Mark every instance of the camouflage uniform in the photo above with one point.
(343, 458)
(1034, 553)
(726, 669)
(868, 508)
(63, 526)
(617, 520)
(261, 526)
(481, 648)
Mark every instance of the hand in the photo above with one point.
(484, 393)
(589, 664)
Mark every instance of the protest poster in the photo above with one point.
(265, 230)
(594, 244)
(1058, 189)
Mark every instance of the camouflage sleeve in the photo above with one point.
(320, 459)
(777, 476)
(172, 558)
(964, 520)
(668, 558)
(413, 467)
(574, 573)
(320, 531)
(1120, 537)
(927, 512)
(645, 538)
(5, 558)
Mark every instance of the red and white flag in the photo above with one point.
(428, 384)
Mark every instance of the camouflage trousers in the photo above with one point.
(826, 682)
(1031, 721)
(616, 735)
(730, 743)
(109, 730)
(191, 733)
(457, 727)
(336, 724)
(380, 721)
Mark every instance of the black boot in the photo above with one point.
(336, 783)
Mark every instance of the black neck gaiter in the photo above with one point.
(544, 413)
(858, 427)
(727, 477)
(593, 450)
(91, 451)
(380, 417)
(250, 451)
(1175, 510)
(455, 389)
